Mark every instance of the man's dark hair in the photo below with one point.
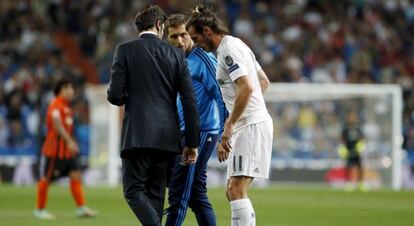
(60, 84)
(202, 16)
(147, 17)
(175, 20)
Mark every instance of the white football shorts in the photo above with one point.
(251, 151)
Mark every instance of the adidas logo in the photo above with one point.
(209, 139)
(256, 170)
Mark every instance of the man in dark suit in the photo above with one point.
(146, 75)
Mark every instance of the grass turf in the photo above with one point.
(274, 206)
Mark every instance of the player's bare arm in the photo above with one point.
(243, 94)
(61, 131)
(264, 81)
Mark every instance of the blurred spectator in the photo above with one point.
(17, 136)
(4, 132)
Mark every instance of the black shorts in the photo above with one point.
(355, 161)
(54, 168)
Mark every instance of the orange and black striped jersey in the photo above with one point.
(54, 145)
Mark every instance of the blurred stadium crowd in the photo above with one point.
(350, 41)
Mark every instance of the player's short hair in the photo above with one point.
(202, 16)
(175, 20)
(148, 17)
(60, 84)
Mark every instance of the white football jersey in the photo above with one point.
(234, 60)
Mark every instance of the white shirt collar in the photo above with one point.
(147, 32)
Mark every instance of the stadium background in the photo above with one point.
(295, 41)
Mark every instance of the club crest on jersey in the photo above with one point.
(228, 60)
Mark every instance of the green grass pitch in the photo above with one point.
(275, 206)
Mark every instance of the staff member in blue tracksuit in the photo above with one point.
(188, 182)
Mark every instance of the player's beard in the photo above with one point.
(210, 45)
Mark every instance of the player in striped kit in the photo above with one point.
(60, 153)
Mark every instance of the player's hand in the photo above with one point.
(224, 147)
(189, 155)
(222, 153)
(73, 146)
(226, 136)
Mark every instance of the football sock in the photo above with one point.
(241, 212)
(42, 186)
(76, 189)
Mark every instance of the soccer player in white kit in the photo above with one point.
(248, 133)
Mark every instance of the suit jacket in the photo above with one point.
(146, 75)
